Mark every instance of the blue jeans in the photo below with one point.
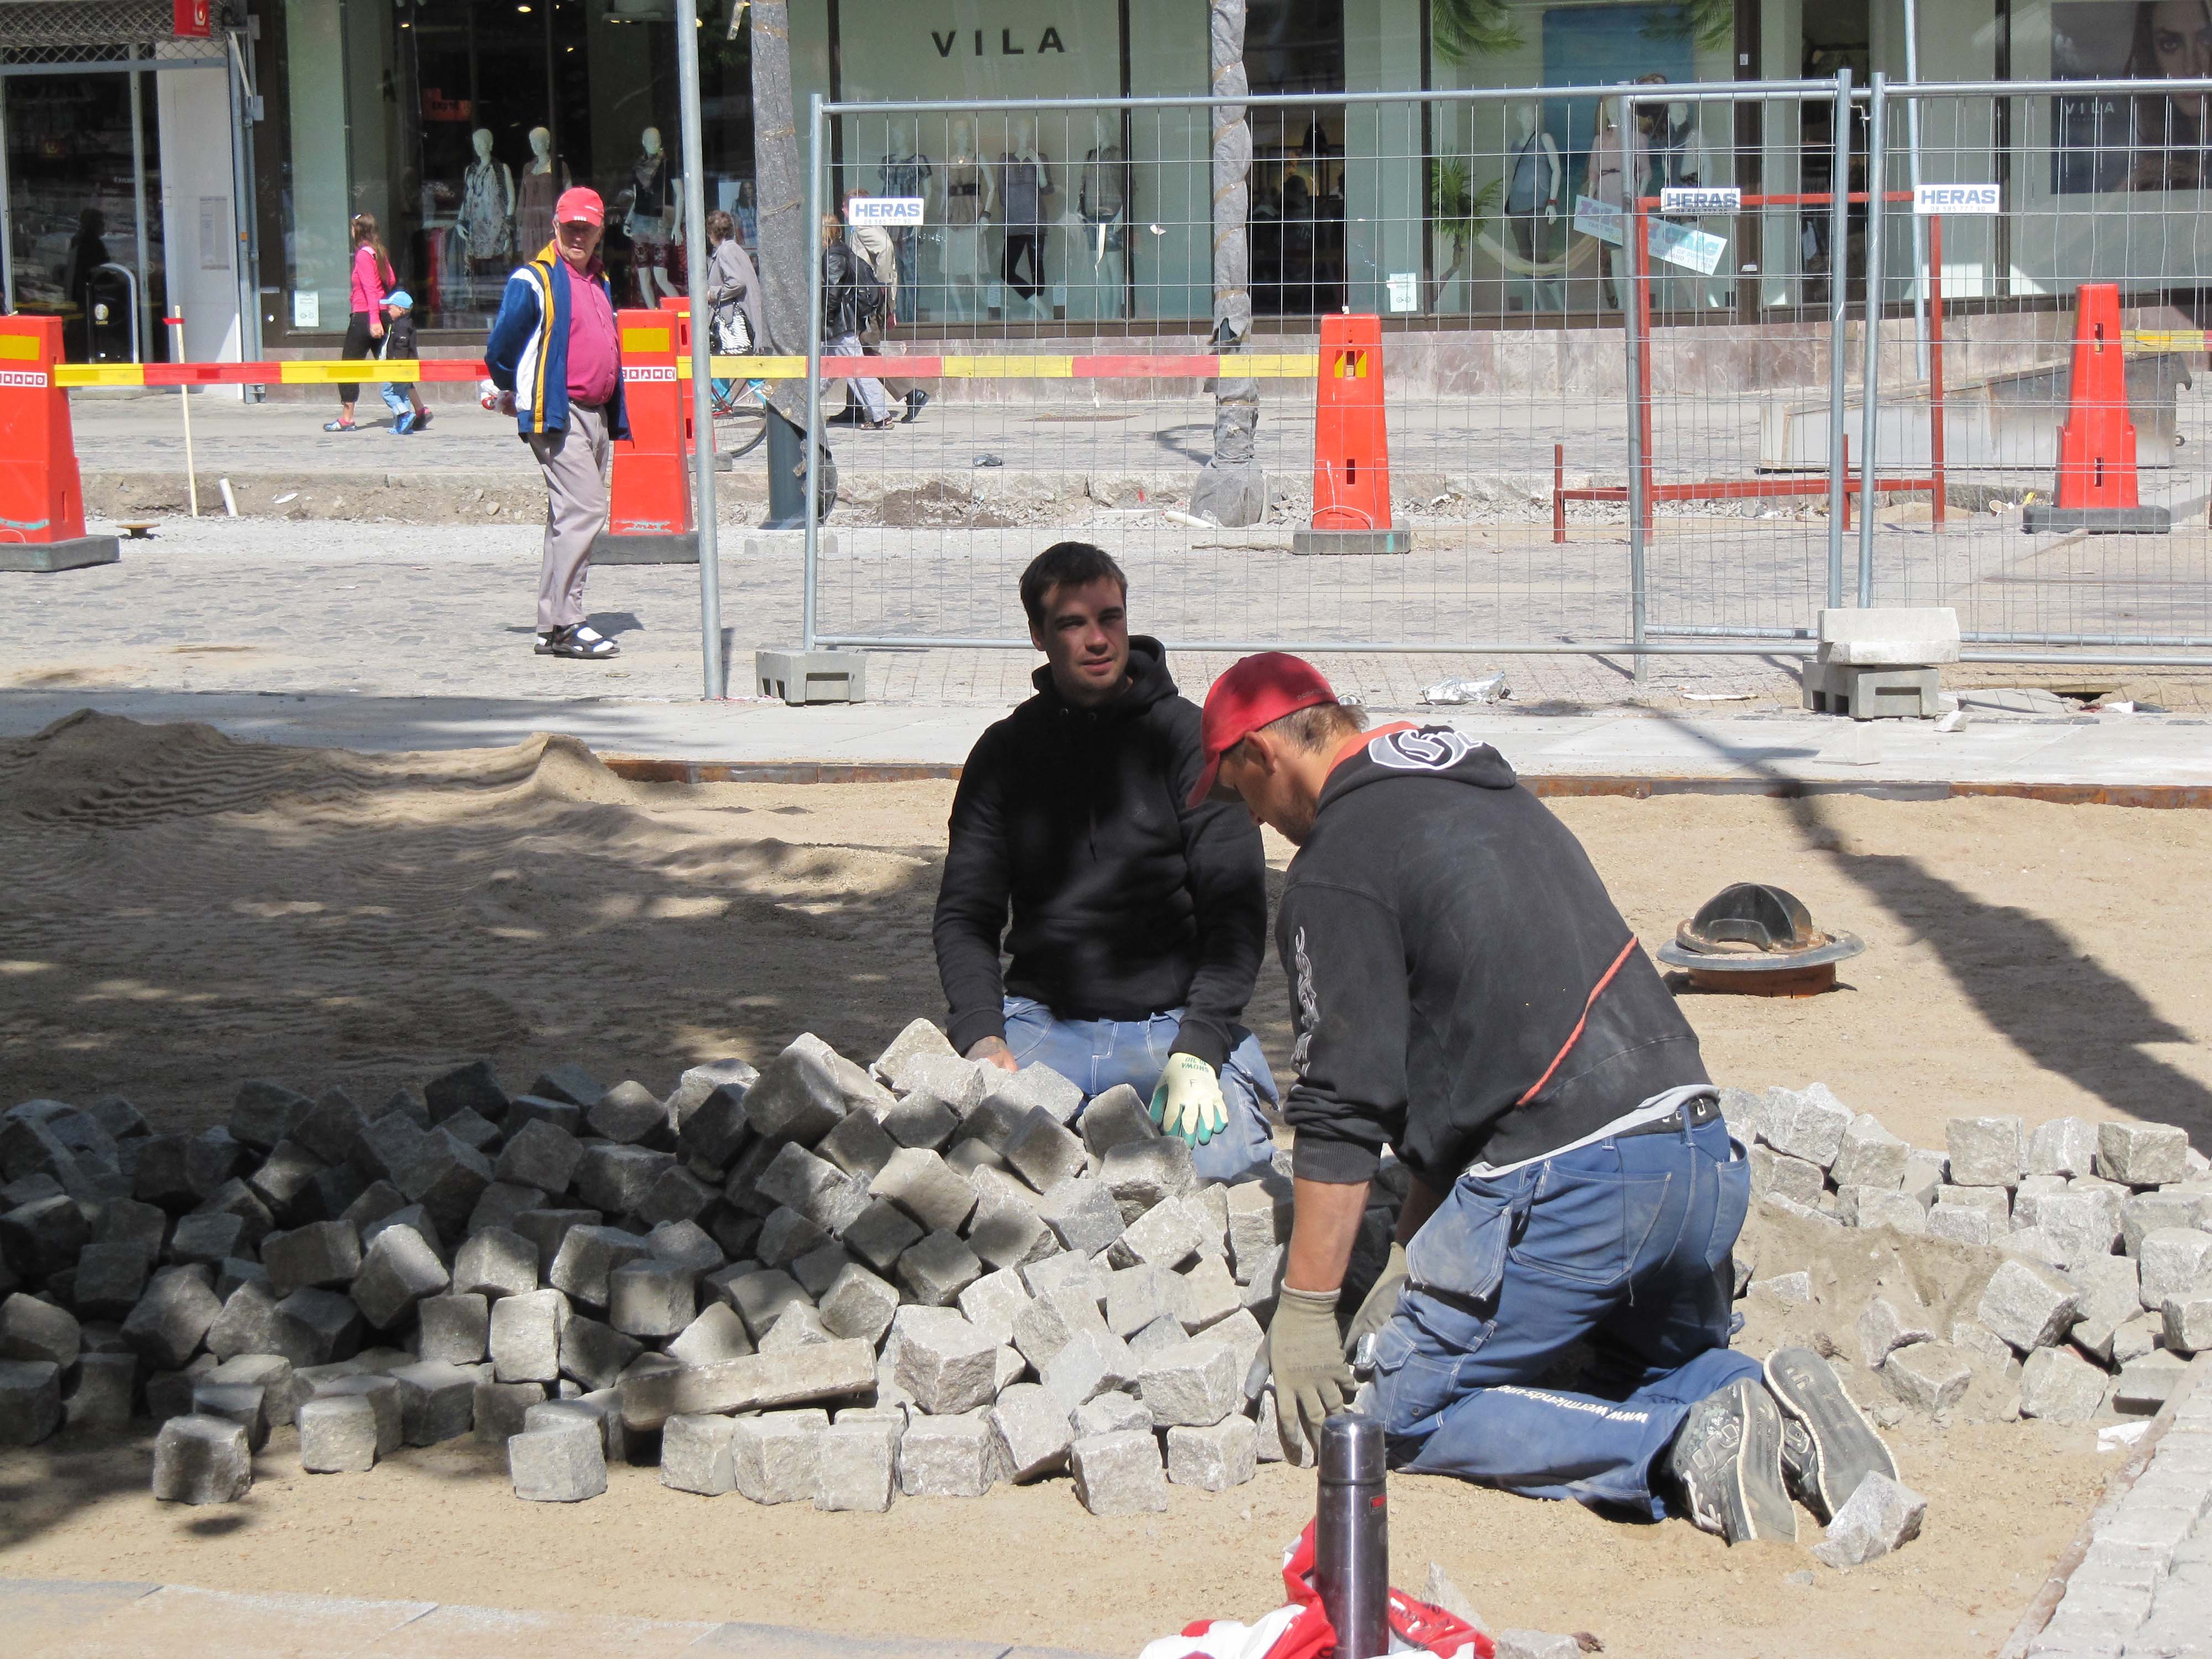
(1625, 1244)
(1096, 1055)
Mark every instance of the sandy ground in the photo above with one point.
(183, 911)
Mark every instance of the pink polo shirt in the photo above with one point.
(594, 353)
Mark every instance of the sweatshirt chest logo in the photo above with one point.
(1436, 749)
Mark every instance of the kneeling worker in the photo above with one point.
(1466, 993)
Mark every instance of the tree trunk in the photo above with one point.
(1231, 489)
(784, 241)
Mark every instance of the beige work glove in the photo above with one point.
(1306, 1358)
(1188, 1101)
(1381, 1303)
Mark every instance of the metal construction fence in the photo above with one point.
(1668, 368)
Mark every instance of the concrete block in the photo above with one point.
(935, 1271)
(562, 1464)
(1986, 1152)
(321, 1256)
(455, 1328)
(1213, 1459)
(857, 1466)
(2141, 1154)
(584, 1265)
(2064, 1146)
(1119, 1473)
(32, 1329)
(242, 1403)
(1870, 1156)
(920, 1183)
(172, 1317)
(2175, 1261)
(100, 1401)
(1205, 1294)
(1043, 1152)
(1888, 1323)
(2188, 1319)
(761, 1297)
(1880, 1516)
(201, 1459)
(1807, 1124)
(1033, 1431)
(2030, 1305)
(593, 1354)
(500, 1411)
(1889, 637)
(30, 1400)
(694, 1454)
(1196, 1384)
(2059, 1386)
(1961, 1225)
(716, 1334)
(338, 1434)
(524, 1336)
(651, 1298)
(775, 1458)
(1930, 1377)
(1143, 1174)
(617, 1180)
(947, 1457)
(1163, 1236)
(797, 1096)
(437, 1402)
(399, 1270)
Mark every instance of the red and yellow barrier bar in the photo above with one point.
(1286, 365)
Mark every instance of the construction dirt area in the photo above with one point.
(184, 911)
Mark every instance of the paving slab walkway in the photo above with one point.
(52, 1619)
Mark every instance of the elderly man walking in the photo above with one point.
(555, 356)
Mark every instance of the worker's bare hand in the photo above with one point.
(994, 1049)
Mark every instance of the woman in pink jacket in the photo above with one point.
(372, 280)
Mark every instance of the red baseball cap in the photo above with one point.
(1253, 693)
(580, 206)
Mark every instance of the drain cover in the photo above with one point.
(1758, 939)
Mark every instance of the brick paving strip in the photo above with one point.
(60, 1619)
(2137, 1582)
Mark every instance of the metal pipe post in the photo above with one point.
(142, 318)
(813, 242)
(1871, 374)
(1840, 241)
(1631, 316)
(1351, 1536)
(703, 385)
(7, 216)
(1912, 174)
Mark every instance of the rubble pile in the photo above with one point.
(816, 1282)
(2068, 1271)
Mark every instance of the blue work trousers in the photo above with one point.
(1096, 1054)
(1625, 1244)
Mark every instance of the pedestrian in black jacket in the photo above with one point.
(1138, 919)
(1466, 993)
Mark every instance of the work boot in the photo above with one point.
(1727, 1460)
(1828, 1444)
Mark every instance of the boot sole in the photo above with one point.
(1846, 1448)
(1767, 1511)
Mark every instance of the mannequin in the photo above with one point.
(487, 222)
(1606, 178)
(1532, 178)
(1024, 181)
(652, 220)
(969, 198)
(905, 171)
(543, 181)
(1104, 202)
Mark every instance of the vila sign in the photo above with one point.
(1957, 198)
(1695, 199)
(886, 209)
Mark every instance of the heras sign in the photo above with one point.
(950, 41)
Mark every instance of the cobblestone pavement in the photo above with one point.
(2143, 1590)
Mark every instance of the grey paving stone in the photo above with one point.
(935, 1271)
(1986, 1152)
(826, 1372)
(1033, 1431)
(339, 1435)
(524, 1336)
(1143, 1173)
(1880, 1516)
(314, 1328)
(880, 1234)
(2028, 1304)
(651, 1298)
(1116, 1117)
(30, 1400)
(437, 1402)
(592, 1354)
(2141, 1154)
(775, 1458)
(455, 1328)
(616, 1179)
(857, 1467)
(562, 1464)
(1006, 1231)
(1043, 1152)
(1119, 1473)
(2061, 1387)
(1807, 1124)
(947, 1457)
(501, 1410)
(100, 1401)
(993, 1302)
(399, 1270)
(2061, 1146)
(201, 1459)
(172, 1317)
(1930, 1377)
(694, 1454)
(32, 1329)
(1197, 1384)
(797, 1097)
(583, 1265)
(244, 1404)
(717, 1334)
(1212, 1459)
(321, 1256)
(2174, 1261)
(948, 1366)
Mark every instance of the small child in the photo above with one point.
(407, 413)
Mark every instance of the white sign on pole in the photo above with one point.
(886, 209)
(1696, 199)
(1929, 199)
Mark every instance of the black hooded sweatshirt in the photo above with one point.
(1126, 902)
(1442, 932)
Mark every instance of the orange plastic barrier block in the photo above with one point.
(649, 515)
(41, 498)
(2097, 445)
(1351, 447)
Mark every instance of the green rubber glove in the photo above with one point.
(1381, 1303)
(1187, 1103)
(1306, 1357)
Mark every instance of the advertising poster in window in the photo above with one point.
(2150, 141)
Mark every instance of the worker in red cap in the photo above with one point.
(1132, 923)
(1466, 995)
(556, 356)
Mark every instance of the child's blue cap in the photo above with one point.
(399, 298)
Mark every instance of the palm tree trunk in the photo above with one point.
(1231, 489)
(784, 242)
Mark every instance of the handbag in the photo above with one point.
(733, 334)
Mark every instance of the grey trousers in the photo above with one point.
(576, 464)
(873, 398)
